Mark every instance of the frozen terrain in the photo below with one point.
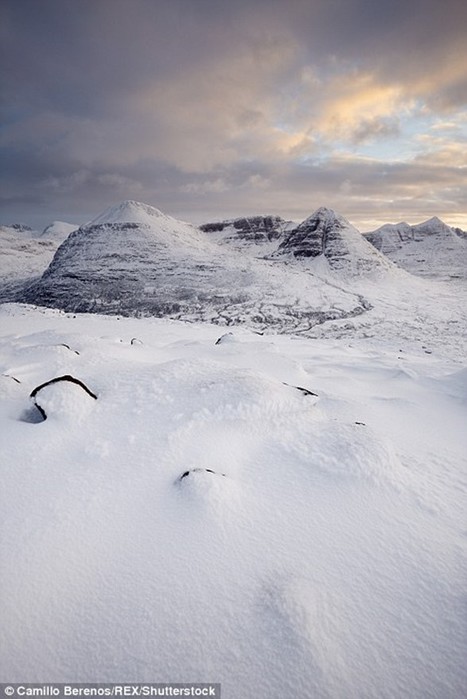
(262, 272)
(256, 235)
(265, 486)
(135, 260)
(205, 519)
(429, 249)
(26, 253)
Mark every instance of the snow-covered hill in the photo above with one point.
(204, 519)
(135, 260)
(23, 256)
(58, 231)
(26, 253)
(429, 249)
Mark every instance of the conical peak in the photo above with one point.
(434, 220)
(326, 217)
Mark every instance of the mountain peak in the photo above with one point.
(129, 211)
(435, 221)
(328, 234)
(325, 215)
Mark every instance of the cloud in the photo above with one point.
(203, 106)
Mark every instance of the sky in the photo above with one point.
(209, 109)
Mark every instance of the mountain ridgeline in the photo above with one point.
(263, 271)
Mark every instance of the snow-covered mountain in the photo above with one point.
(25, 253)
(429, 249)
(58, 231)
(328, 235)
(23, 256)
(261, 272)
(133, 259)
(22, 228)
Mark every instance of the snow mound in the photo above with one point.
(328, 561)
(64, 398)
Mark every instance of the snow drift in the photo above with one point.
(315, 548)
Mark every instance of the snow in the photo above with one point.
(156, 265)
(58, 230)
(429, 249)
(25, 254)
(281, 513)
(326, 234)
(326, 555)
(22, 257)
(134, 212)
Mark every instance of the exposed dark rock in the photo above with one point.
(195, 470)
(305, 391)
(255, 229)
(63, 344)
(220, 340)
(21, 227)
(66, 377)
(8, 376)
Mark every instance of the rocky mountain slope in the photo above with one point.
(429, 249)
(328, 235)
(257, 234)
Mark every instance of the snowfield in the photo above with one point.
(207, 519)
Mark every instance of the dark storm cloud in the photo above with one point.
(201, 106)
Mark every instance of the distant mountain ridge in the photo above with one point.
(133, 259)
(263, 271)
(430, 248)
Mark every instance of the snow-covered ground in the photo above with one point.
(322, 554)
